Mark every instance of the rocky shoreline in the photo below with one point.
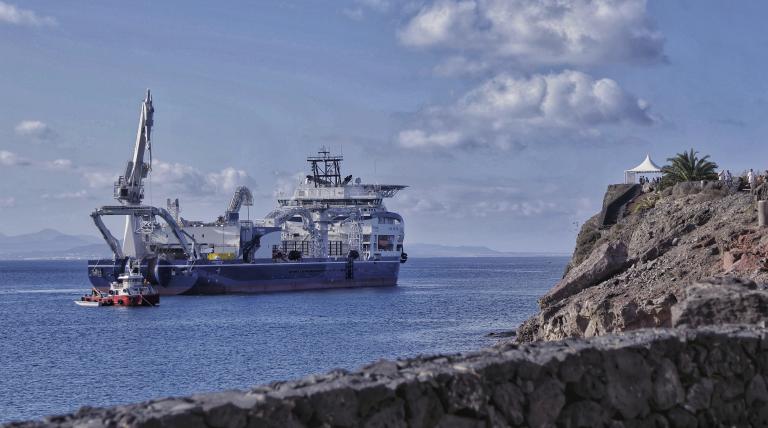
(659, 321)
(631, 274)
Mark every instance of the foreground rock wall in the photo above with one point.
(655, 378)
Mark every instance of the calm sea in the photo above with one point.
(56, 356)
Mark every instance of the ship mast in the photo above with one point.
(326, 169)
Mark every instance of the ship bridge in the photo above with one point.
(325, 187)
(347, 195)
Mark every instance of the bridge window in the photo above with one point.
(388, 220)
(386, 242)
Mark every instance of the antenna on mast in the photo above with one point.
(326, 169)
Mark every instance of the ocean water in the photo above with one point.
(56, 356)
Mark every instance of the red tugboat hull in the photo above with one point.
(128, 301)
(130, 290)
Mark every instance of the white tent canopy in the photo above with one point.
(646, 167)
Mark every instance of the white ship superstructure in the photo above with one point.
(328, 216)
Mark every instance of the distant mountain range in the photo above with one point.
(52, 244)
(435, 250)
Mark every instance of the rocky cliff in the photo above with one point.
(632, 274)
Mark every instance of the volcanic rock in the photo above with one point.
(718, 301)
(631, 274)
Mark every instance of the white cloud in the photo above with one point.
(503, 110)
(30, 127)
(98, 180)
(7, 202)
(286, 182)
(179, 178)
(11, 14)
(35, 129)
(570, 98)
(439, 24)
(59, 164)
(187, 179)
(537, 32)
(228, 179)
(11, 159)
(472, 201)
(414, 138)
(80, 194)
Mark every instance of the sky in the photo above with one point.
(507, 118)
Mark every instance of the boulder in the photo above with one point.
(605, 261)
(723, 300)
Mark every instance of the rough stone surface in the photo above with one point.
(605, 261)
(615, 202)
(721, 301)
(692, 231)
(710, 376)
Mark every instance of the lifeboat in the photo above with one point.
(130, 289)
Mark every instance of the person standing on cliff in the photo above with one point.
(751, 179)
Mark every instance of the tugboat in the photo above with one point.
(130, 289)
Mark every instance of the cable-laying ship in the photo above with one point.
(333, 232)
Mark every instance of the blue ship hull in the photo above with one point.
(261, 276)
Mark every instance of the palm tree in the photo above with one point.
(687, 166)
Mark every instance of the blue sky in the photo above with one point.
(506, 117)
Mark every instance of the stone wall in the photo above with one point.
(709, 376)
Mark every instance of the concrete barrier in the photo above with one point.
(711, 376)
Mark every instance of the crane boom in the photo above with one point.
(129, 187)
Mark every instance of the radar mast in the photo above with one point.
(326, 169)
